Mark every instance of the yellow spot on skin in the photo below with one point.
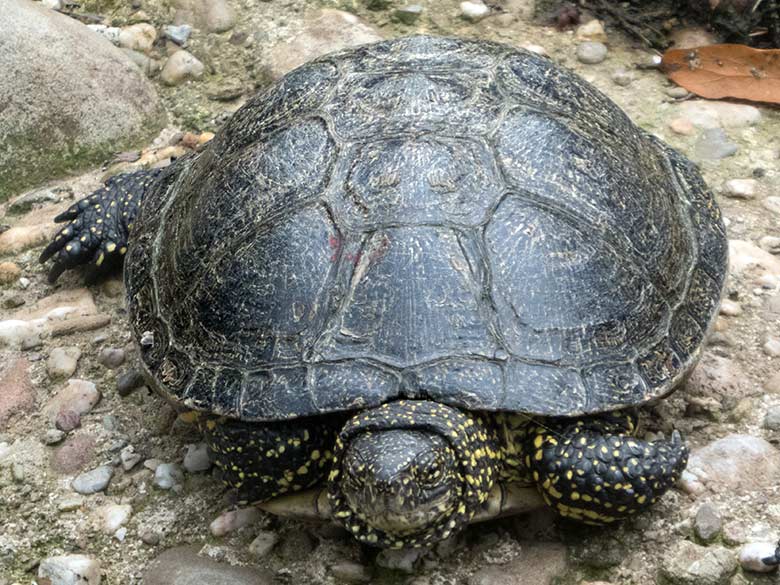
(110, 247)
(641, 500)
(100, 259)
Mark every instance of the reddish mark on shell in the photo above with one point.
(334, 241)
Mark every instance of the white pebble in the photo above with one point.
(730, 308)
(167, 475)
(752, 554)
(474, 11)
(772, 347)
(69, 570)
(180, 67)
(740, 188)
(113, 516)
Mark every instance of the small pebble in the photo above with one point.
(78, 396)
(69, 570)
(112, 357)
(591, 53)
(772, 419)
(93, 481)
(772, 347)
(592, 30)
(263, 543)
(408, 14)
(151, 537)
(677, 92)
(752, 557)
(167, 475)
(70, 503)
(351, 572)
(129, 381)
(53, 436)
(138, 37)
(219, 16)
(9, 272)
(707, 523)
(112, 516)
(197, 458)
(399, 560)
(730, 308)
(772, 203)
(180, 67)
(714, 144)
(67, 420)
(770, 243)
(474, 11)
(129, 457)
(178, 34)
(622, 78)
(62, 361)
(233, 520)
(740, 188)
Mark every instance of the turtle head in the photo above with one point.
(403, 481)
(410, 473)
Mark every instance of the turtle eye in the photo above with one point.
(428, 470)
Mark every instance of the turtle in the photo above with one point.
(419, 283)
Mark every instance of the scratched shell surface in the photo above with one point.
(426, 217)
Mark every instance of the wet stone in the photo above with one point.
(591, 52)
(752, 557)
(772, 418)
(687, 563)
(263, 543)
(714, 144)
(707, 523)
(93, 481)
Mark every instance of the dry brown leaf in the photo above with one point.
(718, 71)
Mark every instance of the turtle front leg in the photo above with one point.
(99, 225)
(262, 460)
(595, 471)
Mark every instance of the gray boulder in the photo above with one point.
(68, 97)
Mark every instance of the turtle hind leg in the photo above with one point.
(98, 226)
(593, 470)
(262, 460)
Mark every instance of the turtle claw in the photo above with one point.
(98, 227)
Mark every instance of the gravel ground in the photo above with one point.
(99, 476)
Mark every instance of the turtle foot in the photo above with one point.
(98, 226)
(600, 476)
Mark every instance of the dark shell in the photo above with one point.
(426, 217)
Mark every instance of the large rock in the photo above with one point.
(735, 463)
(69, 97)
